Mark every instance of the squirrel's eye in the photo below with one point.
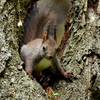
(44, 48)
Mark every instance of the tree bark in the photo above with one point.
(14, 82)
(81, 54)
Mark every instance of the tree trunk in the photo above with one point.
(14, 82)
(81, 54)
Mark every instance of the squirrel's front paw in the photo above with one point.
(31, 76)
(69, 75)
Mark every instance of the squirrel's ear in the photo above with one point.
(45, 36)
(55, 36)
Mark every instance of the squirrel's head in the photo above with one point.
(49, 46)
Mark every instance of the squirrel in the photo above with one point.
(39, 41)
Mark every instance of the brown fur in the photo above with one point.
(43, 20)
(40, 41)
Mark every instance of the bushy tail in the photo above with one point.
(38, 20)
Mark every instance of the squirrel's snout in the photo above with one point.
(50, 57)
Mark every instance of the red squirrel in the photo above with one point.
(39, 41)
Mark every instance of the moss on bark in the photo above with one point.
(14, 83)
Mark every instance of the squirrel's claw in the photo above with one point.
(69, 76)
(31, 76)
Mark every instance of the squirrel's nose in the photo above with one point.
(50, 57)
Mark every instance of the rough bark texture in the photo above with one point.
(14, 83)
(80, 56)
(82, 53)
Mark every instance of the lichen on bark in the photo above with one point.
(82, 53)
(14, 82)
(80, 56)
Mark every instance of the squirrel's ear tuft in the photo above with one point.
(55, 36)
(45, 36)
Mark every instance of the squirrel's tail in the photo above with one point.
(38, 20)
